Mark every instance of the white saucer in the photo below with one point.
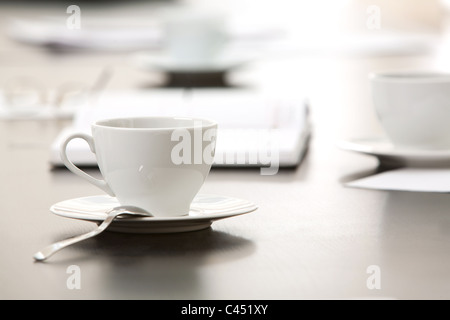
(164, 63)
(390, 155)
(205, 209)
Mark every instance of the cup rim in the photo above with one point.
(206, 123)
(410, 76)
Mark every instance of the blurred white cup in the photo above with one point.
(194, 38)
(413, 108)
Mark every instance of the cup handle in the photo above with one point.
(100, 183)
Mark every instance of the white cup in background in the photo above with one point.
(155, 163)
(194, 38)
(413, 108)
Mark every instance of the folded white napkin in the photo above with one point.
(407, 179)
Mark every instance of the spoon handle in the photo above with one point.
(48, 251)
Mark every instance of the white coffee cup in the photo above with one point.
(413, 108)
(157, 164)
(194, 38)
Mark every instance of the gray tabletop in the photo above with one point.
(311, 237)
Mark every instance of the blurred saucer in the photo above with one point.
(225, 62)
(390, 155)
(205, 209)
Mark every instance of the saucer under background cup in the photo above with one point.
(392, 156)
(205, 209)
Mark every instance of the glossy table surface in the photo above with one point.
(311, 237)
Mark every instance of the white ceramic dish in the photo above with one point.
(165, 63)
(205, 209)
(390, 155)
